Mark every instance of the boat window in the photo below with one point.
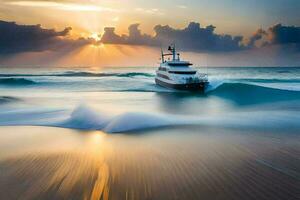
(177, 72)
(163, 76)
(179, 64)
(162, 69)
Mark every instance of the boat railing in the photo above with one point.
(202, 76)
(196, 79)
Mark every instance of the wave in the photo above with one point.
(137, 121)
(247, 94)
(82, 74)
(85, 118)
(16, 81)
(241, 91)
(245, 87)
(132, 74)
(91, 74)
(262, 80)
(283, 71)
(7, 99)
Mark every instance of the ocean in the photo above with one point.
(115, 99)
(111, 133)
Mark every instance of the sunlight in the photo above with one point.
(98, 46)
(101, 55)
(61, 6)
(96, 36)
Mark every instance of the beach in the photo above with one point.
(169, 163)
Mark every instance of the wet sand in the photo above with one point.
(171, 163)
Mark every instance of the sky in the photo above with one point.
(99, 33)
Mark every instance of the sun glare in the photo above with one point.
(95, 36)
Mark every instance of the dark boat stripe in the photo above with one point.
(163, 76)
(191, 86)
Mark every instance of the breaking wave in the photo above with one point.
(249, 94)
(81, 74)
(85, 118)
(90, 74)
(248, 88)
(7, 99)
(262, 80)
(16, 81)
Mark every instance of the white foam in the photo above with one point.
(214, 84)
(135, 121)
(84, 117)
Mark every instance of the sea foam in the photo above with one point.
(85, 118)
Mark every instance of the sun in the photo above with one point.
(96, 36)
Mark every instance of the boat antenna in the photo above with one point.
(162, 55)
(173, 50)
(206, 65)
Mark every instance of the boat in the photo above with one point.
(178, 74)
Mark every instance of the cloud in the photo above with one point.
(204, 39)
(16, 38)
(135, 37)
(284, 34)
(258, 35)
(192, 38)
(152, 11)
(280, 35)
(195, 38)
(65, 5)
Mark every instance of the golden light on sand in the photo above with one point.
(153, 166)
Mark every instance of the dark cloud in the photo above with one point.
(135, 37)
(195, 38)
(111, 37)
(16, 38)
(191, 38)
(203, 39)
(280, 35)
(284, 34)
